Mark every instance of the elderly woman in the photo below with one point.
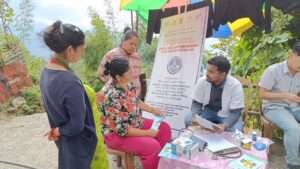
(126, 50)
(124, 128)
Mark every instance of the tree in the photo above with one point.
(6, 16)
(146, 51)
(7, 39)
(256, 49)
(98, 42)
(110, 16)
(24, 20)
(225, 46)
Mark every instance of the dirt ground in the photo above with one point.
(22, 143)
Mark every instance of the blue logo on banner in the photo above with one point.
(174, 65)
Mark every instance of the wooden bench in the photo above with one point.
(122, 156)
(247, 109)
(267, 126)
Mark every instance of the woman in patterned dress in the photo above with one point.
(123, 126)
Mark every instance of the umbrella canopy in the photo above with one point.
(124, 3)
(141, 7)
(175, 3)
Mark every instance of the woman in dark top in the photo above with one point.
(65, 101)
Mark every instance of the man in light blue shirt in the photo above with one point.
(279, 88)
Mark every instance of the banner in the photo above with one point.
(177, 65)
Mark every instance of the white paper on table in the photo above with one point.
(215, 142)
(205, 123)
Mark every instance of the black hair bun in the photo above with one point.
(58, 37)
(54, 39)
(126, 29)
(56, 26)
(107, 68)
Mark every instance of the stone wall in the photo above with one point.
(13, 78)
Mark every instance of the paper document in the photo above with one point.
(167, 152)
(205, 123)
(215, 142)
(156, 122)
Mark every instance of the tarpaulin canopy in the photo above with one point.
(142, 7)
(235, 28)
(239, 26)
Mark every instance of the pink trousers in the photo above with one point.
(147, 148)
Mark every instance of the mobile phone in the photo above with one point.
(298, 94)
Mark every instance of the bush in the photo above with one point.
(32, 97)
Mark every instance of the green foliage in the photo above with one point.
(110, 15)
(146, 51)
(12, 48)
(6, 18)
(35, 66)
(256, 50)
(100, 158)
(225, 46)
(9, 48)
(32, 96)
(6, 13)
(98, 42)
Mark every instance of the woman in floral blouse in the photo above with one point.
(124, 128)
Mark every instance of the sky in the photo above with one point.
(47, 11)
(70, 11)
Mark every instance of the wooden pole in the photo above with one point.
(131, 14)
(137, 23)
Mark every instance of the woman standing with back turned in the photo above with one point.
(65, 101)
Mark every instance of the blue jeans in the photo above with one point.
(288, 121)
(233, 121)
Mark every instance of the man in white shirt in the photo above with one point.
(218, 97)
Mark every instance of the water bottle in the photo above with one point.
(254, 136)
